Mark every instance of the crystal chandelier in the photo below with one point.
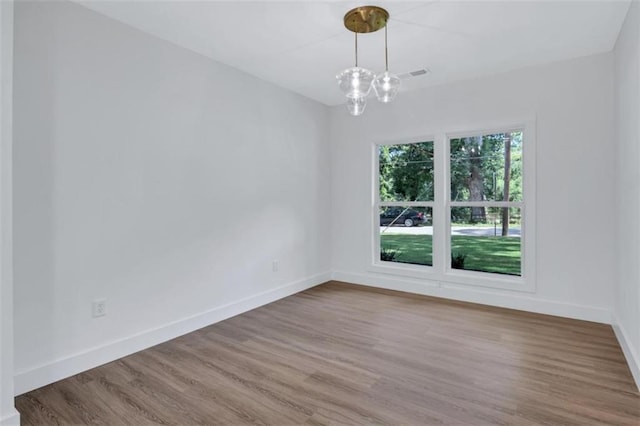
(356, 82)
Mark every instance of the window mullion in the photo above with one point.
(406, 203)
(441, 196)
(516, 204)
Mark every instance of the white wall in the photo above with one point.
(155, 178)
(572, 103)
(8, 414)
(627, 108)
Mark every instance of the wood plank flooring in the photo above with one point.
(343, 354)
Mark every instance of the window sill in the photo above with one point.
(455, 278)
(404, 270)
(489, 280)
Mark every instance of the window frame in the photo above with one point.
(441, 274)
(406, 269)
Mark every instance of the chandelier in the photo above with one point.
(356, 82)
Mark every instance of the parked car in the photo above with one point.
(400, 216)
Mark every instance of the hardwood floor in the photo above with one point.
(342, 354)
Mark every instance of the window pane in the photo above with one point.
(406, 172)
(406, 235)
(483, 166)
(489, 246)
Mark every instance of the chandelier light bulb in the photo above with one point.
(355, 82)
(356, 106)
(386, 86)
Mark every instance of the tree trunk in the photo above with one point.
(476, 183)
(507, 181)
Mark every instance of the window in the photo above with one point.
(485, 175)
(453, 208)
(405, 203)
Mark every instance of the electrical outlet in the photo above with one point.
(275, 266)
(99, 308)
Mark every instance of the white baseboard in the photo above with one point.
(34, 378)
(629, 351)
(10, 419)
(483, 296)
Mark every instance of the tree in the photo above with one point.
(507, 179)
(406, 172)
(477, 168)
(413, 178)
(475, 181)
(385, 168)
(482, 168)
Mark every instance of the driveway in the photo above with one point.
(474, 231)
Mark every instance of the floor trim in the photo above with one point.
(627, 348)
(12, 419)
(28, 380)
(483, 296)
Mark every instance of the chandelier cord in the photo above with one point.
(386, 51)
(356, 49)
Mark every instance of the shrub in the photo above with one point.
(388, 255)
(457, 260)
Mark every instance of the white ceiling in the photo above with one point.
(301, 45)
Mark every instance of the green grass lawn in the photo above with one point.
(488, 254)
